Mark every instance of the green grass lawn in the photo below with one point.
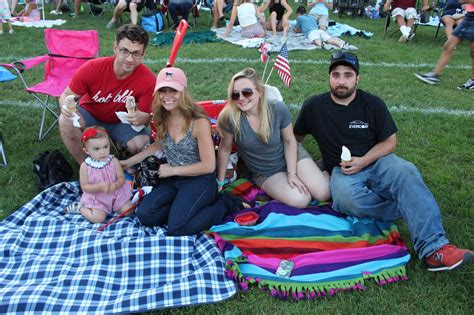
(436, 132)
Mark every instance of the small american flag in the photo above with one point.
(264, 52)
(283, 65)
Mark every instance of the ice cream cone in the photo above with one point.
(346, 154)
(70, 103)
(130, 104)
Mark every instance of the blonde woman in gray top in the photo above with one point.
(264, 136)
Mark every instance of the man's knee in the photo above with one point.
(137, 143)
(132, 6)
(121, 5)
(400, 165)
(65, 125)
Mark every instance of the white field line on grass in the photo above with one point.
(5, 59)
(393, 109)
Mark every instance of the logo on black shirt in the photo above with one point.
(357, 124)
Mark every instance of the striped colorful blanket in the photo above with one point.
(331, 252)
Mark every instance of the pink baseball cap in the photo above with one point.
(171, 77)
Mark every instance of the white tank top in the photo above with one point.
(246, 14)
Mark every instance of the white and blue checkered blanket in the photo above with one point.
(57, 263)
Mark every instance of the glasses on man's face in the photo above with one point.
(247, 92)
(347, 56)
(125, 53)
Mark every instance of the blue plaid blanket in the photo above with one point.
(58, 263)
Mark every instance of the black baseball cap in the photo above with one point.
(344, 58)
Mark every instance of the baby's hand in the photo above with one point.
(104, 187)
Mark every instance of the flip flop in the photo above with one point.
(73, 208)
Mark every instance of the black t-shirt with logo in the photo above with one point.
(359, 126)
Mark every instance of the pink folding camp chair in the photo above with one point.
(68, 50)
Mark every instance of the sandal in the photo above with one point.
(73, 208)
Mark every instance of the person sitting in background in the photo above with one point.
(280, 12)
(58, 10)
(320, 10)
(183, 6)
(30, 10)
(452, 16)
(250, 17)
(218, 11)
(307, 25)
(404, 13)
(134, 6)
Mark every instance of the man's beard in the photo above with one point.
(342, 94)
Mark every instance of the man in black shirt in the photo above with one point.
(373, 182)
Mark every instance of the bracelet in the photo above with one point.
(289, 173)
(220, 183)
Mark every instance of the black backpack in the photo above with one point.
(51, 168)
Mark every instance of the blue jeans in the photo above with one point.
(179, 8)
(389, 189)
(186, 204)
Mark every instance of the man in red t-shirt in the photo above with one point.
(103, 85)
(404, 13)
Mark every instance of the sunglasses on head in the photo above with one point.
(346, 56)
(247, 92)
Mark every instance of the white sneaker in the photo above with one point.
(54, 12)
(11, 32)
(405, 30)
(328, 47)
(348, 46)
(403, 39)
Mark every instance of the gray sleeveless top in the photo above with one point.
(185, 152)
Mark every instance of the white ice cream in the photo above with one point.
(130, 104)
(346, 154)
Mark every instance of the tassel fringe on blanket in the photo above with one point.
(331, 252)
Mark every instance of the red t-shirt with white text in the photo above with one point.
(102, 94)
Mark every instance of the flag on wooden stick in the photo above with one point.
(282, 65)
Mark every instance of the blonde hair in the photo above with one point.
(189, 109)
(231, 114)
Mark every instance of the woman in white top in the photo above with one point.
(251, 20)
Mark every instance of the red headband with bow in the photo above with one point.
(89, 133)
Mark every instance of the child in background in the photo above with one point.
(5, 15)
(30, 13)
(101, 178)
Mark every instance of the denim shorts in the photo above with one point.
(301, 154)
(121, 133)
(465, 30)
